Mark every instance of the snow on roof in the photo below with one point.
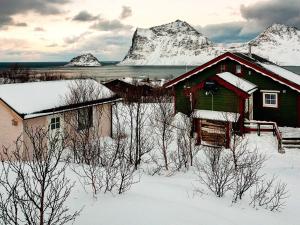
(29, 98)
(286, 74)
(238, 82)
(216, 115)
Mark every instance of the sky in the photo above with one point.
(58, 30)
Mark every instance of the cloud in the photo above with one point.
(228, 32)
(52, 45)
(256, 18)
(273, 11)
(110, 25)
(39, 29)
(77, 38)
(126, 12)
(84, 16)
(10, 8)
(20, 24)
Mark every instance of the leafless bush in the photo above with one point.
(162, 126)
(215, 171)
(140, 136)
(16, 73)
(270, 195)
(186, 146)
(108, 167)
(34, 186)
(247, 172)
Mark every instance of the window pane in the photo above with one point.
(270, 99)
(52, 126)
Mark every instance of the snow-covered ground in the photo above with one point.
(162, 200)
(173, 200)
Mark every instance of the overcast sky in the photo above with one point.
(57, 30)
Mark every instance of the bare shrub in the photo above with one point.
(16, 73)
(270, 195)
(215, 171)
(108, 167)
(140, 132)
(162, 126)
(186, 144)
(247, 172)
(34, 186)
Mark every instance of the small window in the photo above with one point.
(55, 123)
(249, 72)
(270, 100)
(238, 69)
(85, 118)
(223, 68)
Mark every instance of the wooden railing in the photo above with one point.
(263, 126)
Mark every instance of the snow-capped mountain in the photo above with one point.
(175, 43)
(84, 60)
(178, 43)
(278, 43)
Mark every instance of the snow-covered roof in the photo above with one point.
(238, 82)
(254, 62)
(216, 115)
(286, 74)
(34, 97)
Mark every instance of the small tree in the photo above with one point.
(34, 184)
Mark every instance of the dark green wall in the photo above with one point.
(225, 100)
(286, 113)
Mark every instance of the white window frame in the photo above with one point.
(55, 122)
(267, 105)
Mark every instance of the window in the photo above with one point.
(55, 123)
(85, 118)
(270, 100)
(238, 69)
(223, 68)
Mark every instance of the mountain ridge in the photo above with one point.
(178, 43)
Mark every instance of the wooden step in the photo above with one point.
(290, 146)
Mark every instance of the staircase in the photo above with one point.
(290, 142)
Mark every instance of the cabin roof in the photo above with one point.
(36, 98)
(238, 82)
(216, 115)
(255, 62)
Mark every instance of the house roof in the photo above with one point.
(216, 115)
(238, 82)
(255, 62)
(36, 98)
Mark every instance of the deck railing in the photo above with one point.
(265, 126)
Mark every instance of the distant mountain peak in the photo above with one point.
(84, 60)
(276, 34)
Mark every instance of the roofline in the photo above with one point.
(234, 57)
(41, 114)
(250, 91)
(65, 108)
(18, 114)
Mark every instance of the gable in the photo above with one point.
(211, 65)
